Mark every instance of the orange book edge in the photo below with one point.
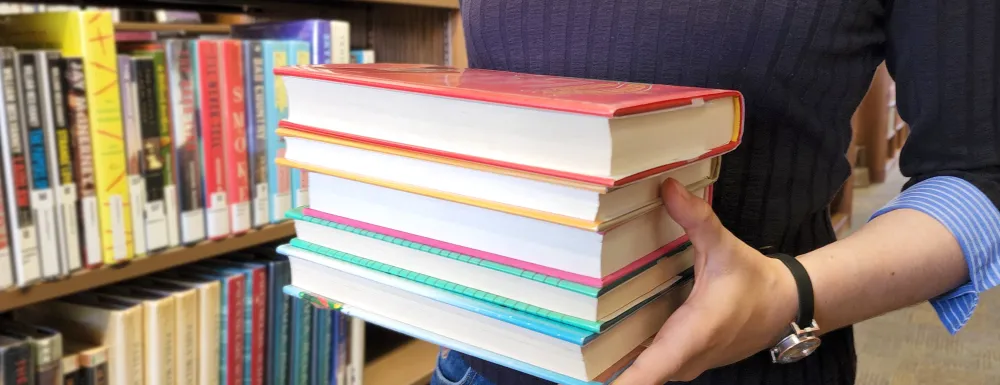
(596, 226)
(592, 182)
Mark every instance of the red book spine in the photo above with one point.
(235, 136)
(259, 325)
(237, 294)
(212, 141)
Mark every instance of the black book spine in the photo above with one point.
(94, 375)
(149, 127)
(64, 151)
(18, 365)
(257, 131)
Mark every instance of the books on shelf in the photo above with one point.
(113, 150)
(210, 322)
(509, 216)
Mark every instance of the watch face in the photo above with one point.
(800, 350)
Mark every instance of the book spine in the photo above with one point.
(341, 343)
(237, 323)
(284, 335)
(18, 365)
(61, 162)
(27, 264)
(257, 138)
(209, 331)
(48, 360)
(94, 368)
(6, 260)
(276, 100)
(42, 202)
(213, 156)
(256, 130)
(183, 99)
(298, 53)
(151, 161)
(187, 338)
(136, 232)
(259, 301)
(322, 50)
(302, 314)
(320, 355)
(166, 149)
(78, 121)
(235, 136)
(105, 131)
(340, 34)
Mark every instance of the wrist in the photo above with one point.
(785, 300)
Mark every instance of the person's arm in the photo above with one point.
(939, 240)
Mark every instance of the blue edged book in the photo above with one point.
(429, 309)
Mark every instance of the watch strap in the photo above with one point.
(804, 286)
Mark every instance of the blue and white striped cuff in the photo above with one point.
(975, 222)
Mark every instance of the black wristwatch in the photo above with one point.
(801, 339)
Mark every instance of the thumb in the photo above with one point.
(694, 214)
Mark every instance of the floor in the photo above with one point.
(909, 346)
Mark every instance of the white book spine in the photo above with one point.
(137, 200)
(173, 216)
(43, 206)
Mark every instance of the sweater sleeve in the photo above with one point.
(944, 59)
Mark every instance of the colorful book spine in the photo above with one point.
(253, 61)
(85, 34)
(181, 77)
(78, 119)
(33, 131)
(276, 100)
(232, 325)
(207, 63)
(298, 53)
(151, 161)
(166, 149)
(316, 33)
(136, 233)
(60, 154)
(234, 131)
(341, 342)
(26, 263)
(302, 313)
(322, 343)
(255, 312)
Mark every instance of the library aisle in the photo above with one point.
(910, 346)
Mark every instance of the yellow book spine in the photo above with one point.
(100, 63)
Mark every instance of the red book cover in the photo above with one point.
(237, 294)
(259, 325)
(212, 138)
(575, 95)
(235, 136)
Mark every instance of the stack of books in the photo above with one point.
(512, 217)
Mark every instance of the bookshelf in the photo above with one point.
(170, 27)
(89, 279)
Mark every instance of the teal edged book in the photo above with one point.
(517, 332)
(328, 304)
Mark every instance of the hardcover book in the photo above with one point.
(78, 119)
(33, 133)
(152, 163)
(26, 263)
(276, 102)
(207, 61)
(133, 147)
(234, 135)
(253, 62)
(182, 79)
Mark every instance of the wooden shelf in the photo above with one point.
(410, 364)
(171, 27)
(89, 279)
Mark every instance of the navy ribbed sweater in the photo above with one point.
(803, 66)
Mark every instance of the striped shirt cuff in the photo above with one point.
(975, 222)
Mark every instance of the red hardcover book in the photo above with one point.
(606, 133)
(259, 325)
(235, 136)
(212, 138)
(237, 294)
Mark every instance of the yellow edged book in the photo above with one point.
(90, 35)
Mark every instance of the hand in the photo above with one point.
(741, 302)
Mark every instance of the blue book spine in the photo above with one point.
(338, 352)
(276, 102)
(223, 332)
(283, 327)
(314, 32)
(320, 358)
(302, 314)
(298, 53)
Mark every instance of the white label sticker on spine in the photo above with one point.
(240, 216)
(260, 206)
(31, 268)
(118, 239)
(218, 215)
(302, 197)
(156, 226)
(282, 203)
(92, 230)
(192, 226)
(170, 209)
(70, 225)
(137, 191)
(45, 225)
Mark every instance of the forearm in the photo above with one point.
(899, 259)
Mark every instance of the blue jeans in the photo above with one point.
(451, 369)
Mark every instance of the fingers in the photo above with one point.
(672, 356)
(694, 214)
